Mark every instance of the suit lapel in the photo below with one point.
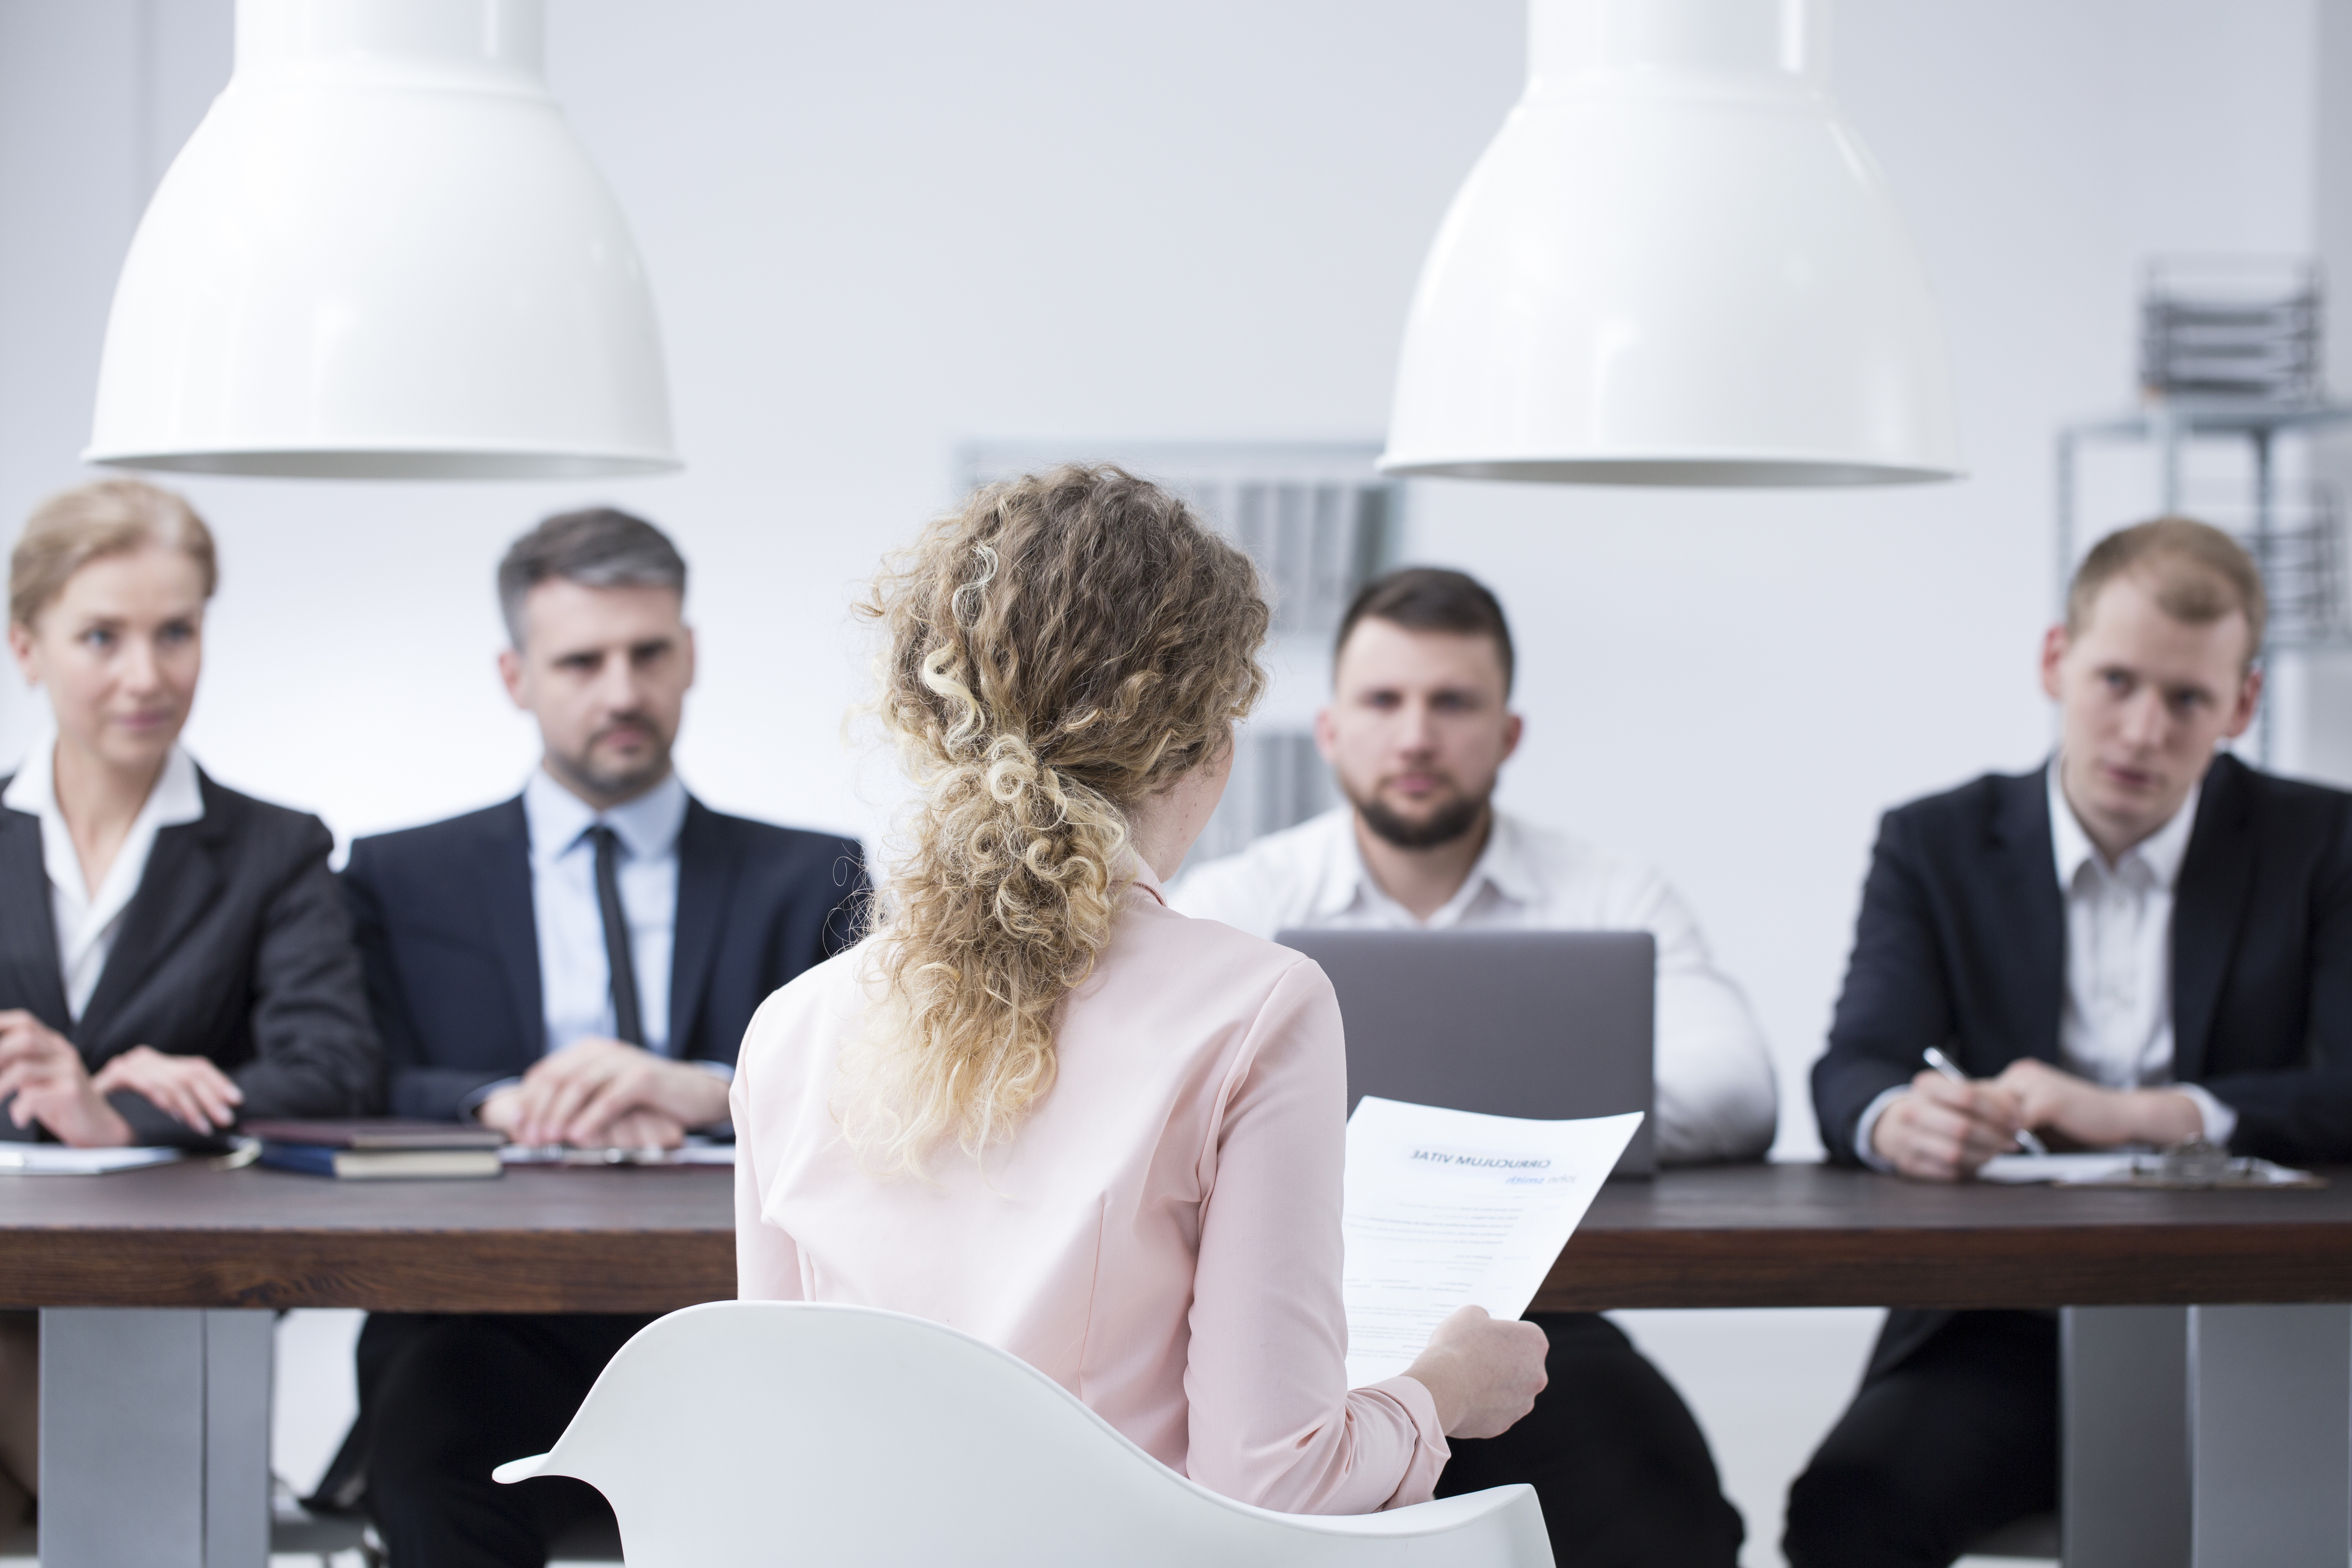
(28, 932)
(706, 879)
(503, 870)
(2209, 905)
(182, 880)
(2034, 912)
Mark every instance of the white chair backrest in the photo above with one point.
(748, 1432)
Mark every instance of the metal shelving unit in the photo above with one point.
(2230, 351)
(2301, 563)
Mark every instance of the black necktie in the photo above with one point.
(626, 1023)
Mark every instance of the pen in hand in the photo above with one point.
(1945, 1065)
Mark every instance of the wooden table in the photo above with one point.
(1815, 1236)
(625, 1240)
(652, 1240)
(2208, 1349)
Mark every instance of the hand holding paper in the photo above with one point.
(1483, 1373)
(1447, 1208)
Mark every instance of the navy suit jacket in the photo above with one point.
(1961, 943)
(234, 948)
(450, 944)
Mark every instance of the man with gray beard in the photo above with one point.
(1417, 730)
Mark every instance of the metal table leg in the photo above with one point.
(2270, 1430)
(2124, 1396)
(2207, 1436)
(155, 1437)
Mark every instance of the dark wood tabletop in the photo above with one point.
(1815, 1236)
(627, 1239)
(655, 1239)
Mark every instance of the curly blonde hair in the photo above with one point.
(1067, 644)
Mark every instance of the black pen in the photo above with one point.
(1943, 1064)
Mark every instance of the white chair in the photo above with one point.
(746, 1433)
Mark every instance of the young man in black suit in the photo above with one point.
(574, 966)
(2143, 941)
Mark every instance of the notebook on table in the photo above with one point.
(379, 1149)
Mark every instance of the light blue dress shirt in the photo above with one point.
(575, 982)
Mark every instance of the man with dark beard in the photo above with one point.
(574, 966)
(1418, 727)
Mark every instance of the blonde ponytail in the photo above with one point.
(1067, 644)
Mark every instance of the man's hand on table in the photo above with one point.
(2095, 1118)
(1944, 1131)
(607, 1094)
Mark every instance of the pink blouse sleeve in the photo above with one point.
(767, 1264)
(1273, 1421)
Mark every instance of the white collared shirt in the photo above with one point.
(1715, 1093)
(2115, 1026)
(575, 979)
(88, 923)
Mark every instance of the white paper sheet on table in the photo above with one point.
(1448, 1208)
(2020, 1170)
(2109, 1167)
(60, 1160)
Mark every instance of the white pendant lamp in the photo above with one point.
(1675, 266)
(384, 254)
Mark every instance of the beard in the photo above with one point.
(1447, 823)
(616, 784)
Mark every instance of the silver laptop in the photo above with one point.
(1544, 1024)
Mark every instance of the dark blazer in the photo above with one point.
(450, 945)
(234, 947)
(1961, 943)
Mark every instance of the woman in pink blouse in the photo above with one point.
(1040, 1106)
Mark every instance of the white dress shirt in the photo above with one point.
(88, 921)
(2115, 1028)
(1715, 1095)
(575, 979)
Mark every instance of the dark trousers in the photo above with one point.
(1954, 1441)
(445, 1399)
(1621, 1468)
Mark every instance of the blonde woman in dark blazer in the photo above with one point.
(173, 955)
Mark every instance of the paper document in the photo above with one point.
(2126, 1169)
(2019, 1170)
(57, 1160)
(1448, 1208)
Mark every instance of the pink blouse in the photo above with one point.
(1162, 1238)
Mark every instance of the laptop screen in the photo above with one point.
(1550, 1025)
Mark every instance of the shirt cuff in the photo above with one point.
(723, 1071)
(2220, 1120)
(469, 1108)
(1430, 1448)
(1863, 1129)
